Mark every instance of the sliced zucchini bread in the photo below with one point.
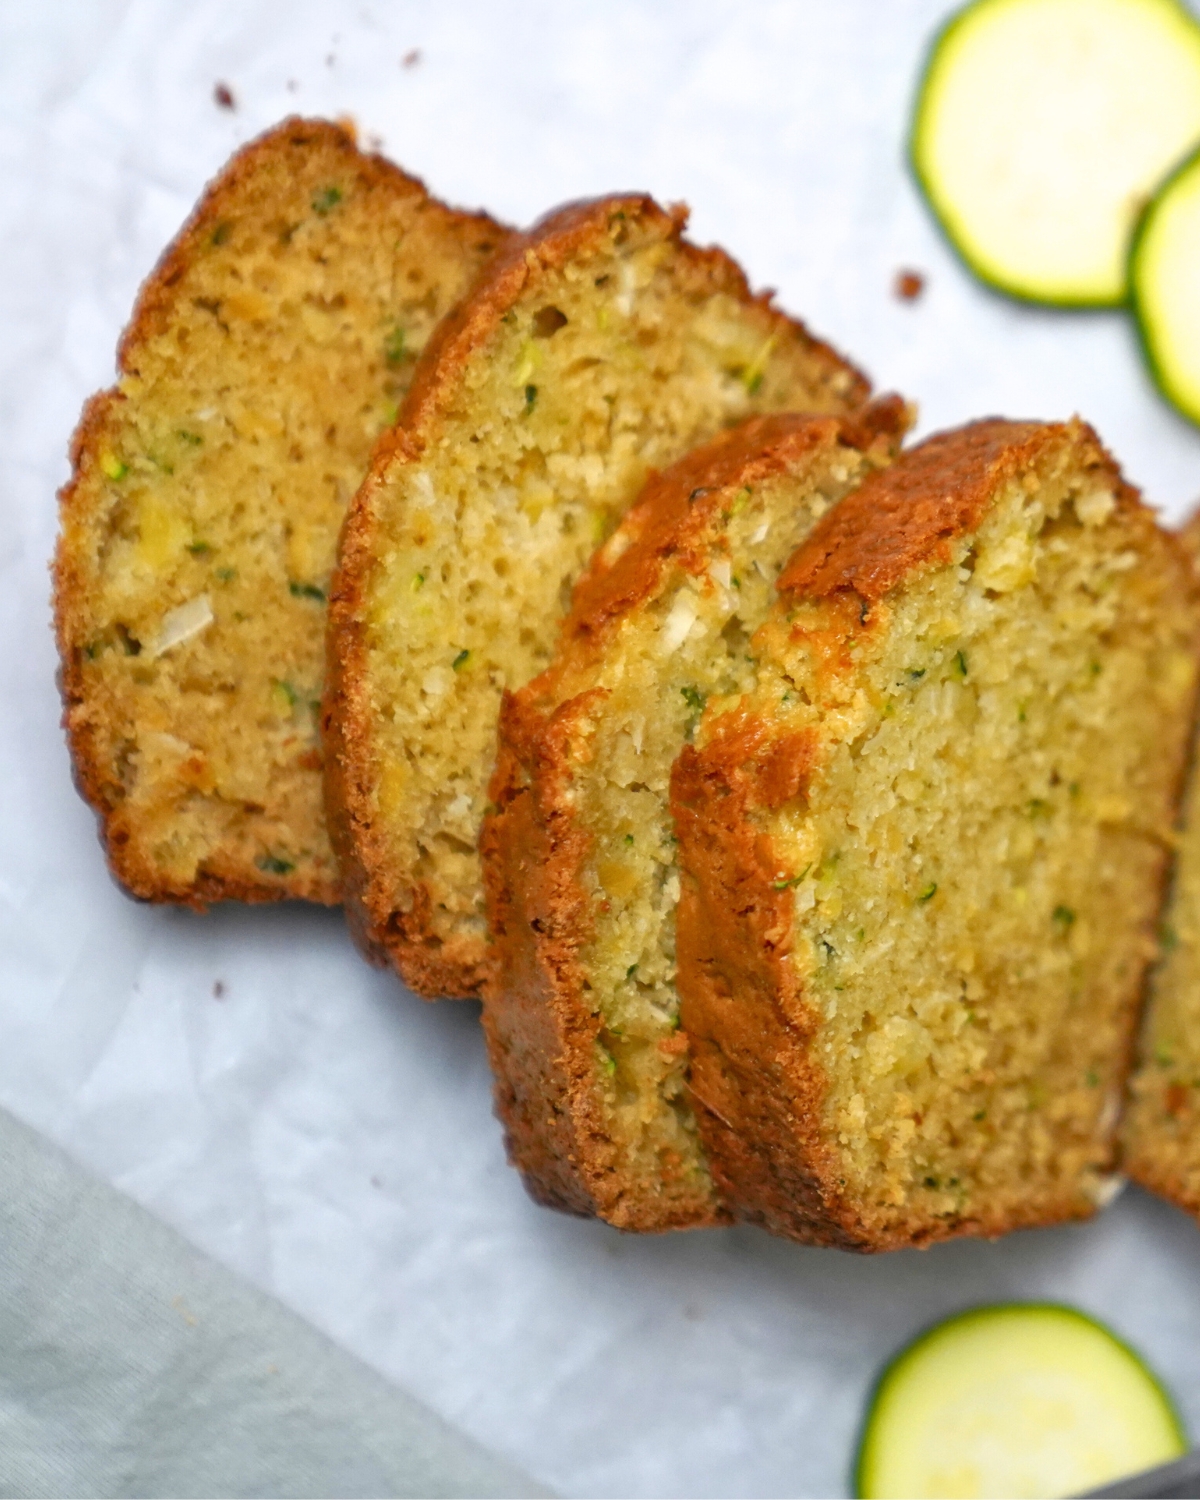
(580, 1008)
(922, 856)
(266, 353)
(595, 348)
(1161, 1129)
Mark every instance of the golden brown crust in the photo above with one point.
(1144, 1161)
(672, 518)
(393, 925)
(220, 877)
(1143, 1165)
(542, 1032)
(756, 1081)
(750, 1027)
(1143, 1158)
(1139, 1156)
(906, 517)
(543, 1051)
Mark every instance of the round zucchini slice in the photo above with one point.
(1164, 280)
(1018, 1399)
(1041, 129)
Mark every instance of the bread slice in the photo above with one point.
(580, 1010)
(922, 858)
(598, 347)
(1161, 1130)
(266, 353)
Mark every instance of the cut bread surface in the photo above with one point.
(266, 353)
(580, 1010)
(1161, 1130)
(599, 346)
(922, 858)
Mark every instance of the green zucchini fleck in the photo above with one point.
(394, 346)
(326, 199)
(305, 590)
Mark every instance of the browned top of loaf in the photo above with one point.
(906, 517)
(245, 180)
(559, 237)
(407, 938)
(672, 520)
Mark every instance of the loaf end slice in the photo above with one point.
(1161, 1130)
(266, 353)
(596, 348)
(923, 856)
(581, 1011)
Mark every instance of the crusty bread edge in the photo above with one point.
(543, 1053)
(1137, 1157)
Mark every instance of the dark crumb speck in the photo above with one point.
(908, 285)
(330, 60)
(219, 989)
(292, 85)
(411, 59)
(223, 96)
(376, 1182)
(547, 321)
(374, 143)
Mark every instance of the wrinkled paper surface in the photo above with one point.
(317, 1128)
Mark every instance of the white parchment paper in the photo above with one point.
(316, 1127)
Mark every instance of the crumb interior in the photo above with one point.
(212, 497)
(977, 868)
(659, 667)
(606, 366)
(1162, 1131)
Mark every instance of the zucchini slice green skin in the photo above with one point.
(1164, 285)
(1090, 1354)
(1041, 126)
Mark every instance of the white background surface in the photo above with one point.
(317, 1128)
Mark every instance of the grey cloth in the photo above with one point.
(131, 1364)
(1175, 1481)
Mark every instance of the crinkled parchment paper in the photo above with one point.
(316, 1127)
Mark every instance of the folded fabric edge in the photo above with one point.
(132, 1363)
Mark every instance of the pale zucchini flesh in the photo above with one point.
(1020, 1399)
(1164, 275)
(1041, 129)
